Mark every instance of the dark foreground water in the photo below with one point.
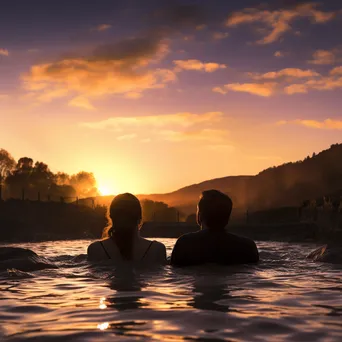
(284, 298)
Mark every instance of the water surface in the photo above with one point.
(283, 298)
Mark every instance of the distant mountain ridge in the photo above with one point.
(284, 185)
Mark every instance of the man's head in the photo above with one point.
(214, 209)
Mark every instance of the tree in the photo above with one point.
(84, 184)
(24, 164)
(192, 218)
(62, 178)
(7, 164)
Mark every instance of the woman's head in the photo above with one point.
(125, 213)
(125, 210)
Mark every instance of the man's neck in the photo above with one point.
(205, 227)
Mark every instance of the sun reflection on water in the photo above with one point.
(103, 326)
(102, 303)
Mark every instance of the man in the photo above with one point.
(213, 244)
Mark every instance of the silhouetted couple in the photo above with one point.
(212, 244)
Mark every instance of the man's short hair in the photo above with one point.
(214, 208)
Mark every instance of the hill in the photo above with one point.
(286, 185)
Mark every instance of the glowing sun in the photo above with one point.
(105, 190)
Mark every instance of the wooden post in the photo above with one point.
(48, 197)
(77, 200)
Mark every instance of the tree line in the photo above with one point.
(35, 179)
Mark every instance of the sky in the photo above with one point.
(154, 95)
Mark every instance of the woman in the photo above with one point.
(122, 241)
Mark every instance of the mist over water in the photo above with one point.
(283, 298)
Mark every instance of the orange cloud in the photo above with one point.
(326, 83)
(220, 35)
(179, 119)
(123, 68)
(336, 71)
(278, 22)
(172, 127)
(207, 135)
(261, 89)
(133, 95)
(288, 81)
(126, 137)
(103, 27)
(194, 64)
(323, 57)
(4, 52)
(296, 89)
(329, 124)
(287, 72)
(278, 54)
(81, 102)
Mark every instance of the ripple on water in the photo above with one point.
(283, 298)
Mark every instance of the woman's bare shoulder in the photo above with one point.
(158, 245)
(95, 250)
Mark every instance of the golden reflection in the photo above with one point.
(102, 303)
(103, 326)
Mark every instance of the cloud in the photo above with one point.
(207, 135)
(4, 52)
(133, 95)
(126, 137)
(194, 64)
(220, 35)
(336, 71)
(323, 57)
(287, 72)
(124, 68)
(201, 27)
(81, 102)
(103, 27)
(327, 57)
(325, 83)
(183, 120)
(278, 54)
(277, 22)
(178, 127)
(296, 89)
(288, 81)
(329, 124)
(261, 89)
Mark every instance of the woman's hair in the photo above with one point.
(125, 216)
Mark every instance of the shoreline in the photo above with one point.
(301, 232)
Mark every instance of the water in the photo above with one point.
(284, 298)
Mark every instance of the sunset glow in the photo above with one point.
(105, 190)
(154, 99)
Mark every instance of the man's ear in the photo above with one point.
(198, 219)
